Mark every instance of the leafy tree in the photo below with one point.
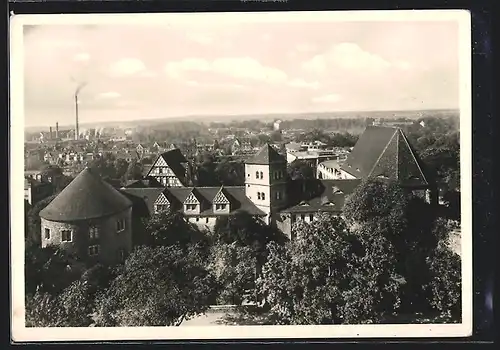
(42, 310)
(240, 240)
(445, 284)
(412, 229)
(49, 170)
(120, 168)
(300, 169)
(33, 229)
(169, 228)
(230, 173)
(134, 171)
(159, 286)
(49, 269)
(233, 267)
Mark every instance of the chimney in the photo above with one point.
(77, 131)
(57, 130)
(50, 132)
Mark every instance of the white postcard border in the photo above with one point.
(22, 334)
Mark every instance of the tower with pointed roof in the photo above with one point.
(265, 180)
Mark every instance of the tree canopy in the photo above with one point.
(159, 286)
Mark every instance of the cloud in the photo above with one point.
(108, 95)
(330, 98)
(300, 83)
(349, 56)
(235, 67)
(127, 66)
(81, 57)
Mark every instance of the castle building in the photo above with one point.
(89, 218)
(268, 193)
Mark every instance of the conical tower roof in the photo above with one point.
(86, 197)
(266, 155)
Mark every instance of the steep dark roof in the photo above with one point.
(235, 194)
(384, 152)
(143, 199)
(266, 155)
(326, 195)
(148, 182)
(86, 197)
(175, 161)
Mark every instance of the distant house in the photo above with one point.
(277, 125)
(35, 190)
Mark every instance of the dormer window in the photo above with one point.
(190, 207)
(220, 206)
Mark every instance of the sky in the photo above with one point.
(197, 67)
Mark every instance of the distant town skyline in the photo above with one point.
(217, 67)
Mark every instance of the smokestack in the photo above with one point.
(57, 130)
(50, 132)
(77, 132)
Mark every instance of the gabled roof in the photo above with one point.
(236, 194)
(266, 155)
(175, 160)
(222, 197)
(328, 195)
(194, 197)
(384, 152)
(86, 197)
(143, 199)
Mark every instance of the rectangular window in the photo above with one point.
(278, 195)
(160, 170)
(311, 217)
(263, 195)
(47, 233)
(191, 207)
(302, 217)
(197, 219)
(120, 225)
(256, 174)
(93, 233)
(220, 206)
(206, 220)
(161, 207)
(94, 250)
(66, 236)
(258, 195)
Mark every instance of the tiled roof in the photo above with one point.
(147, 182)
(143, 199)
(86, 197)
(324, 195)
(236, 195)
(266, 155)
(384, 152)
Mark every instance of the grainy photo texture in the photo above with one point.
(306, 173)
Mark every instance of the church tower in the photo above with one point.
(265, 181)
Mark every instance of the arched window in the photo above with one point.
(261, 175)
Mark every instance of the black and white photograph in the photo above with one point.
(241, 175)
